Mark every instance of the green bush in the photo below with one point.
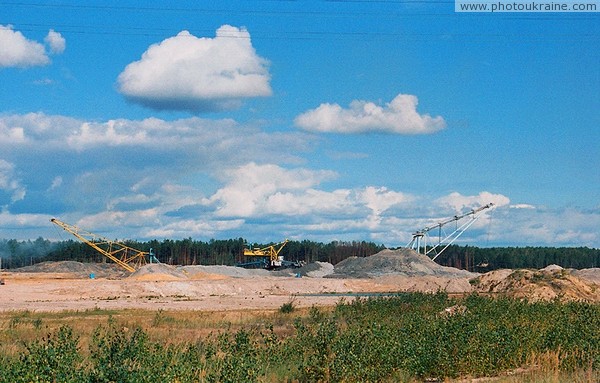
(55, 358)
(409, 336)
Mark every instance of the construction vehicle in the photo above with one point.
(419, 238)
(269, 257)
(127, 257)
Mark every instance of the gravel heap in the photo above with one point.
(158, 272)
(551, 268)
(405, 262)
(228, 271)
(76, 269)
(590, 275)
(313, 270)
(316, 269)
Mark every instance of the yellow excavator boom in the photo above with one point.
(272, 252)
(122, 255)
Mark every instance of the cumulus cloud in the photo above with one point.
(379, 199)
(252, 189)
(186, 72)
(459, 202)
(269, 190)
(399, 116)
(55, 41)
(9, 183)
(130, 164)
(17, 51)
(206, 142)
(205, 179)
(546, 227)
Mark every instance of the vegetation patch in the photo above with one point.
(407, 337)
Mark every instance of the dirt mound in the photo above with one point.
(227, 271)
(316, 269)
(312, 270)
(157, 272)
(551, 268)
(75, 269)
(405, 262)
(546, 284)
(589, 275)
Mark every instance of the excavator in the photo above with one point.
(419, 238)
(127, 257)
(269, 257)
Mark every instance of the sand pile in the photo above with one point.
(551, 268)
(227, 271)
(313, 270)
(72, 269)
(404, 262)
(316, 269)
(537, 285)
(157, 272)
(589, 275)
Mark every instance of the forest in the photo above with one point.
(15, 254)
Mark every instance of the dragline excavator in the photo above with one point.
(419, 238)
(124, 256)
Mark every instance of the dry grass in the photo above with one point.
(174, 327)
(178, 327)
(540, 368)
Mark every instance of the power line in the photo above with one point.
(287, 34)
(308, 35)
(449, 11)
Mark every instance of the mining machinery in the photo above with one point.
(419, 238)
(127, 257)
(269, 257)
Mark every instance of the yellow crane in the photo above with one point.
(124, 256)
(269, 252)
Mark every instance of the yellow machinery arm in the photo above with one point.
(272, 252)
(122, 255)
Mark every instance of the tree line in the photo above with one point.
(483, 259)
(187, 251)
(15, 254)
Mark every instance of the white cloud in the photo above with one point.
(17, 51)
(193, 228)
(268, 191)
(9, 183)
(522, 206)
(22, 222)
(56, 182)
(203, 178)
(203, 143)
(399, 116)
(129, 165)
(55, 41)
(459, 202)
(197, 74)
(309, 201)
(381, 199)
(251, 189)
(546, 227)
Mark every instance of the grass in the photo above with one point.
(404, 338)
(173, 326)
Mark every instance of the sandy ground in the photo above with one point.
(58, 292)
(68, 285)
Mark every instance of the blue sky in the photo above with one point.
(318, 120)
